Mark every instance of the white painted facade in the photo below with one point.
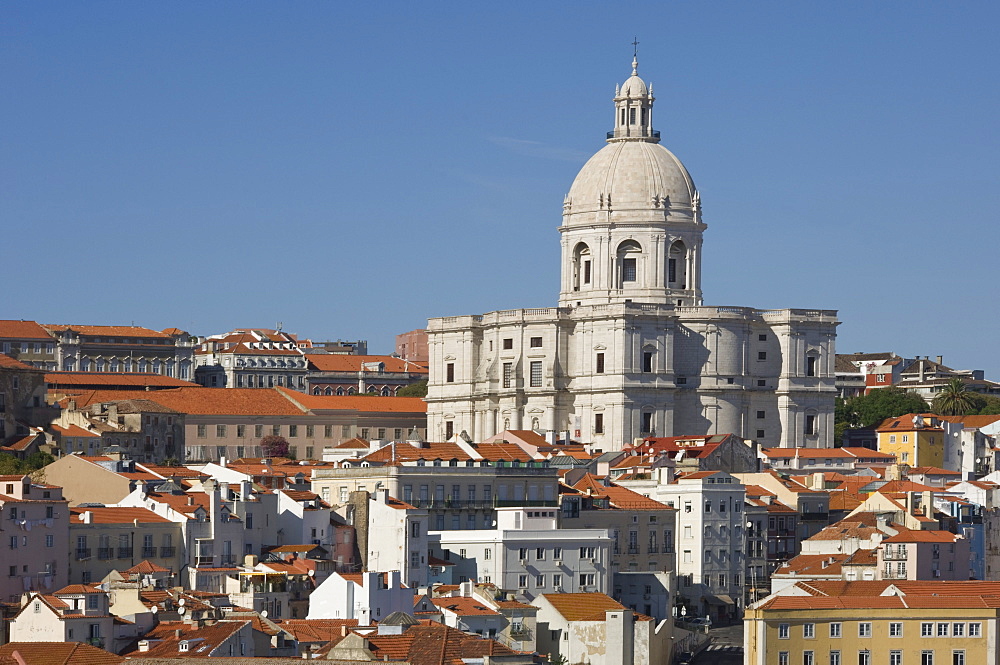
(528, 554)
(631, 350)
(708, 537)
(371, 598)
(397, 538)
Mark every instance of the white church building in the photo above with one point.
(631, 350)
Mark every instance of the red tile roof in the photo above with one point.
(66, 380)
(6, 362)
(208, 401)
(341, 362)
(14, 329)
(56, 653)
(464, 606)
(115, 515)
(107, 331)
(362, 403)
(585, 606)
(430, 643)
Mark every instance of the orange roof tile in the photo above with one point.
(56, 653)
(107, 331)
(208, 401)
(115, 515)
(363, 403)
(463, 606)
(14, 329)
(6, 362)
(67, 380)
(583, 606)
(340, 362)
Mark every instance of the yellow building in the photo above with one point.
(875, 623)
(916, 439)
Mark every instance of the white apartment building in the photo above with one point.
(709, 538)
(528, 554)
(367, 597)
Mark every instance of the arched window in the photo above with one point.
(628, 262)
(340, 391)
(677, 266)
(351, 391)
(386, 392)
(329, 391)
(582, 267)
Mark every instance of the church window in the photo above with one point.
(508, 370)
(672, 270)
(600, 364)
(681, 380)
(810, 425)
(761, 383)
(811, 365)
(647, 361)
(761, 338)
(628, 270)
(730, 380)
(760, 434)
(762, 355)
(586, 272)
(508, 343)
(450, 372)
(449, 429)
(536, 342)
(536, 374)
(647, 423)
(761, 414)
(631, 116)
(598, 423)
(645, 116)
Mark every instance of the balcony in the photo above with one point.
(895, 575)
(105, 553)
(653, 549)
(124, 552)
(167, 552)
(148, 552)
(82, 553)
(814, 517)
(894, 555)
(633, 549)
(227, 560)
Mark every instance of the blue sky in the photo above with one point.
(351, 169)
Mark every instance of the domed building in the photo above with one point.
(631, 351)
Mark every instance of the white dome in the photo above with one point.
(634, 87)
(636, 175)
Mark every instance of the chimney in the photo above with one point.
(940, 360)
(143, 646)
(222, 460)
(921, 370)
(87, 517)
(818, 481)
(927, 503)
(911, 503)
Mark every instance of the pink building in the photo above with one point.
(34, 521)
(412, 346)
(924, 555)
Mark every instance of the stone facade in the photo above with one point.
(631, 351)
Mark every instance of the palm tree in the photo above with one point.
(954, 400)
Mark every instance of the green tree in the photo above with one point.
(989, 405)
(871, 409)
(955, 400)
(418, 389)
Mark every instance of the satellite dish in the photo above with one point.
(311, 573)
(154, 609)
(181, 602)
(263, 614)
(180, 610)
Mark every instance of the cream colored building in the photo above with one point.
(875, 623)
(631, 350)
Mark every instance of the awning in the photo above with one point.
(721, 599)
